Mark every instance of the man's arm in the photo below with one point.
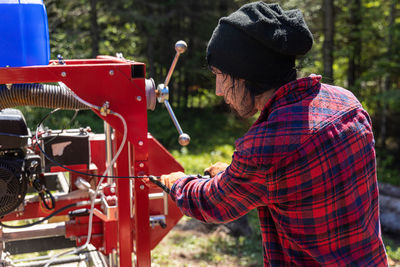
(225, 197)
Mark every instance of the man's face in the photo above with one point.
(237, 100)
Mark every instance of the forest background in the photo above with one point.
(356, 46)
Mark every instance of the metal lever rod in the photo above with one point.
(172, 114)
(184, 139)
(162, 93)
(180, 47)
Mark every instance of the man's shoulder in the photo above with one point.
(287, 127)
(313, 111)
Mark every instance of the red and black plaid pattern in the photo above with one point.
(308, 166)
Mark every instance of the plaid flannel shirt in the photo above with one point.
(308, 166)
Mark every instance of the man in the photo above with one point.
(308, 162)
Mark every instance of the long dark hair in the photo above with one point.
(253, 89)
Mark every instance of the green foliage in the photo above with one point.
(195, 163)
(392, 248)
(208, 128)
(61, 119)
(387, 170)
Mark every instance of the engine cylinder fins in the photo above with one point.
(12, 188)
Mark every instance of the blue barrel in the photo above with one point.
(24, 33)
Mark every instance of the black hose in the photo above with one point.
(39, 95)
(41, 220)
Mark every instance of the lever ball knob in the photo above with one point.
(184, 139)
(180, 47)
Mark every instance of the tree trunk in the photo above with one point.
(150, 59)
(389, 208)
(94, 28)
(388, 77)
(389, 190)
(329, 31)
(389, 214)
(354, 43)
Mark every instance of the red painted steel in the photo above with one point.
(160, 162)
(125, 227)
(124, 206)
(35, 209)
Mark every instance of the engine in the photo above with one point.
(17, 164)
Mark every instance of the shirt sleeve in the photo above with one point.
(225, 197)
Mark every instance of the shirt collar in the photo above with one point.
(289, 93)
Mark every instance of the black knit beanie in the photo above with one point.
(259, 42)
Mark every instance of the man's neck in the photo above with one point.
(261, 100)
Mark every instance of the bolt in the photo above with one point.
(34, 164)
(140, 143)
(141, 165)
(111, 72)
(63, 74)
(141, 187)
(139, 98)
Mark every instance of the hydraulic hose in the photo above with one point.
(39, 95)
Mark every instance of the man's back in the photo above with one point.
(315, 146)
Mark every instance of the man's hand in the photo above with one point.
(216, 168)
(170, 179)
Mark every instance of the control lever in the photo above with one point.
(162, 93)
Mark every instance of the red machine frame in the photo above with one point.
(125, 227)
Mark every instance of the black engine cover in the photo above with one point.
(14, 135)
(13, 130)
(13, 185)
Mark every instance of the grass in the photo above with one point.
(196, 247)
(392, 249)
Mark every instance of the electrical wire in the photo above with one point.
(89, 174)
(65, 125)
(41, 220)
(72, 170)
(93, 198)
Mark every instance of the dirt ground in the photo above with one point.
(192, 243)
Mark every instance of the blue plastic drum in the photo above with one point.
(24, 33)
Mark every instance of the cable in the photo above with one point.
(65, 125)
(154, 180)
(46, 194)
(64, 86)
(41, 220)
(90, 223)
(69, 169)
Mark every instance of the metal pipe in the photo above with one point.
(113, 259)
(58, 261)
(37, 231)
(109, 151)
